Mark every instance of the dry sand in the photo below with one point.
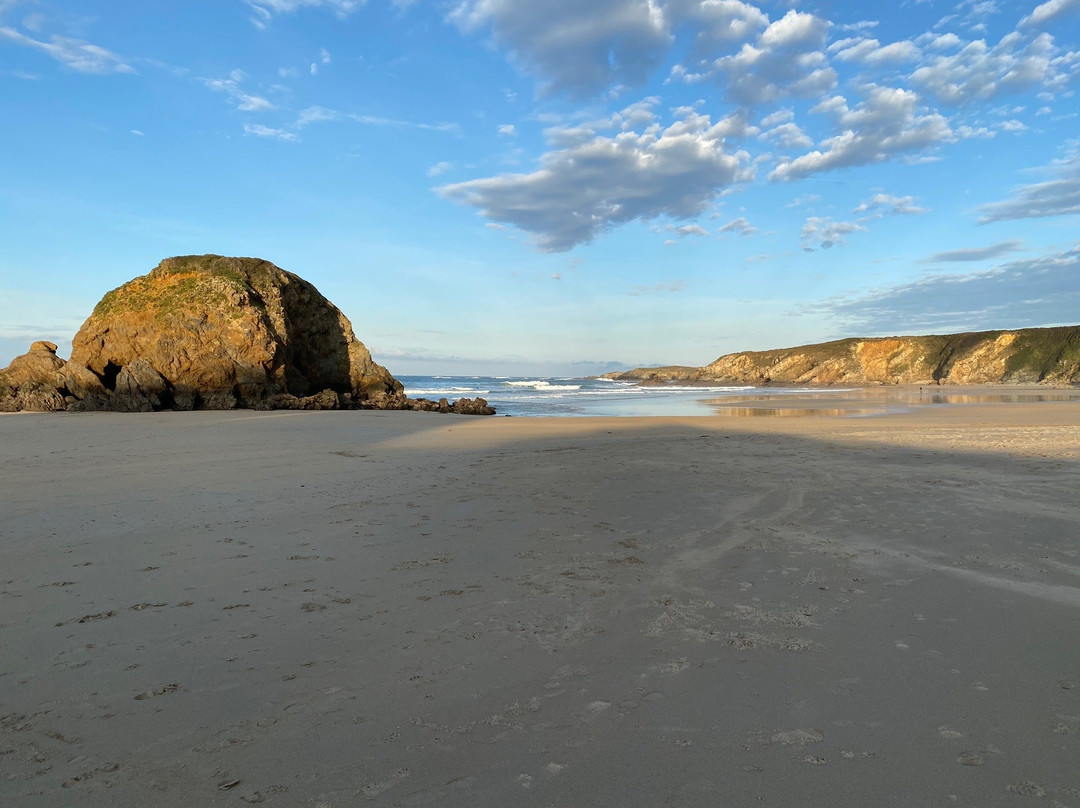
(332, 609)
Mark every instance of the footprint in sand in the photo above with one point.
(1026, 789)
(161, 691)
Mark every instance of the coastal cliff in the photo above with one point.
(1024, 356)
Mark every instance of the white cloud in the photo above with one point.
(578, 46)
(691, 230)
(740, 226)
(975, 253)
(887, 123)
(586, 46)
(311, 115)
(1033, 292)
(887, 203)
(977, 72)
(396, 123)
(872, 52)
(317, 114)
(508, 129)
(720, 22)
(788, 136)
(75, 53)
(1050, 11)
(253, 103)
(439, 168)
(942, 41)
(825, 233)
(265, 9)
(259, 130)
(787, 61)
(231, 86)
(1059, 196)
(598, 182)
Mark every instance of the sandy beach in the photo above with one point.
(342, 608)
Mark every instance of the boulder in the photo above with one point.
(473, 406)
(222, 332)
(34, 382)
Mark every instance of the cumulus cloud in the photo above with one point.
(690, 230)
(887, 123)
(789, 136)
(1034, 292)
(786, 61)
(886, 203)
(825, 233)
(74, 53)
(574, 45)
(872, 52)
(979, 72)
(740, 226)
(596, 182)
(1049, 11)
(439, 168)
(975, 253)
(586, 46)
(508, 129)
(1055, 197)
(721, 22)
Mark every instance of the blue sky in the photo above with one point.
(552, 186)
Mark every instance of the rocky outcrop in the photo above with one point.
(215, 328)
(211, 332)
(40, 381)
(1024, 356)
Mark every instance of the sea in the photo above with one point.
(568, 396)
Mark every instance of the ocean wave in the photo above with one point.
(698, 389)
(447, 391)
(541, 384)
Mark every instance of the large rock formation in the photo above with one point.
(224, 332)
(210, 332)
(1024, 356)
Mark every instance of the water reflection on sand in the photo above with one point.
(873, 401)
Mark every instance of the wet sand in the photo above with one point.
(336, 609)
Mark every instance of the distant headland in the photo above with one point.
(1025, 356)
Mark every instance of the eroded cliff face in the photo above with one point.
(1024, 356)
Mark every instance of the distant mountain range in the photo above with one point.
(1024, 356)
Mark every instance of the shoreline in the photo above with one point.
(793, 401)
